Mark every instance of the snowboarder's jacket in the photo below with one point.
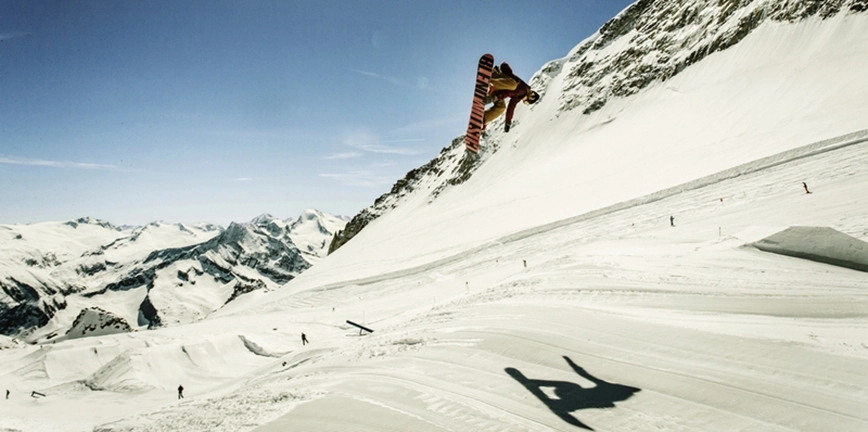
(515, 95)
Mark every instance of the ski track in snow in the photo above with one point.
(753, 181)
(769, 389)
(623, 294)
(619, 292)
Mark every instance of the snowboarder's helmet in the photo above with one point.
(531, 97)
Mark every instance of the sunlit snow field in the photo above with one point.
(549, 292)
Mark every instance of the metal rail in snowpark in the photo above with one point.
(361, 327)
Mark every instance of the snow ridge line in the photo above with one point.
(782, 158)
(258, 350)
(761, 164)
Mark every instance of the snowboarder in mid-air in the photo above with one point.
(506, 85)
(494, 85)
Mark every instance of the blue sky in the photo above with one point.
(213, 111)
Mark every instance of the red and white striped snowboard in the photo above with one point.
(474, 127)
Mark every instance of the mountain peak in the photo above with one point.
(263, 219)
(310, 214)
(90, 221)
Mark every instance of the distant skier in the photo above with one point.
(506, 85)
(304, 339)
(672, 221)
(180, 392)
(805, 185)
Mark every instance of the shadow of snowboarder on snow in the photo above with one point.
(569, 397)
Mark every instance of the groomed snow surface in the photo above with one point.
(550, 292)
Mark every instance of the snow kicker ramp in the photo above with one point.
(820, 244)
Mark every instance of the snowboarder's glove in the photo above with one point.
(506, 127)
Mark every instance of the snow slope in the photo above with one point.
(548, 291)
(770, 93)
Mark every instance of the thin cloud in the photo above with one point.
(376, 174)
(403, 140)
(388, 79)
(428, 125)
(420, 84)
(369, 143)
(366, 73)
(385, 147)
(12, 35)
(258, 135)
(347, 155)
(361, 178)
(255, 179)
(57, 164)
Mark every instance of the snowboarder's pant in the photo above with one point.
(498, 81)
(494, 112)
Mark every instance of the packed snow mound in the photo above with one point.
(194, 363)
(820, 244)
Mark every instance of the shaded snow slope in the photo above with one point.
(821, 244)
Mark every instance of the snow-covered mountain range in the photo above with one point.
(55, 274)
(592, 269)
